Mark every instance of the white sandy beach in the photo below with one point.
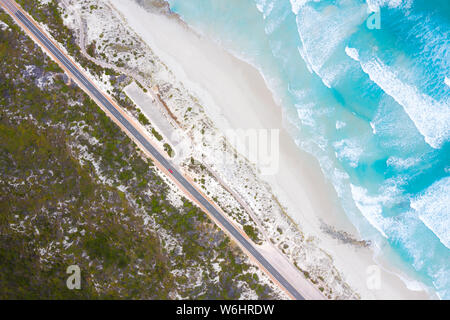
(235, 95)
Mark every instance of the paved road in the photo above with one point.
(146, 144)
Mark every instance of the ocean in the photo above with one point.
(364, 86)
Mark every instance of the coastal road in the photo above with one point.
(38, 35)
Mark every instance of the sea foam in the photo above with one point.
(394, 79)
(320, 44)
(431, 117)
(433, 208)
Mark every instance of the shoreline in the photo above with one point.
(206, 69)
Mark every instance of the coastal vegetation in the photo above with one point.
(75, 189)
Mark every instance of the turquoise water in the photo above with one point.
(373, 105)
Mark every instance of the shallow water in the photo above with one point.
(373, 105)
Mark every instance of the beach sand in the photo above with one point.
(236, 96)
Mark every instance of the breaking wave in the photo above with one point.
(372, 104)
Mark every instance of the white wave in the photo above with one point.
(332, 73)
(405, 229)
(348, 150)
(374, 129)
(374, 5)
(265, 7)
(352, 53)
(431, 117)
(340, 124)
(370, 208)
(306, 116)
(321, 32)
(300, 94)
(447, 81)
(273, 23)
(297, 4)
(401, 163)
(441, 282)
(260, 5)
(305, 58)
(413, 285)
(433, 208)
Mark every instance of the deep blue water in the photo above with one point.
(372, 104)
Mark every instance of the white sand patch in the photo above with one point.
(194, 90)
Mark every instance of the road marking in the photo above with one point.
(134, 132)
